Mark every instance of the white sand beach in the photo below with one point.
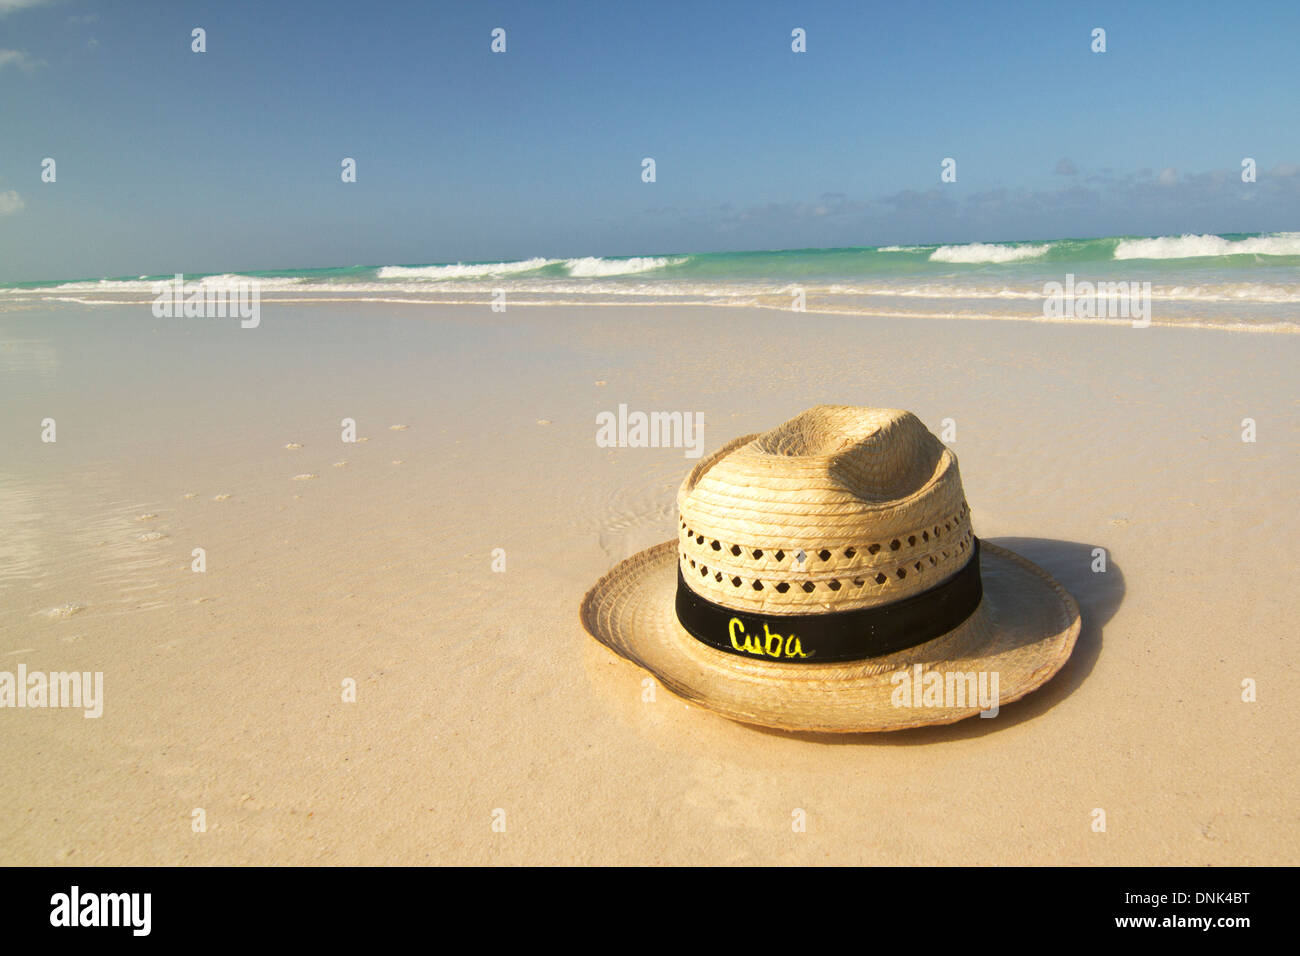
(478, 691)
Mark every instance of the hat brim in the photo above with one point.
(1023, 631)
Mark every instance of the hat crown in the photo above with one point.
(837, 509)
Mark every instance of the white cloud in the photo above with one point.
(9, 6)
(18, 58)
(10, 203)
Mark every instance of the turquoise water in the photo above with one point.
(1232, 280)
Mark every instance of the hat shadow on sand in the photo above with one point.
(1098, 594)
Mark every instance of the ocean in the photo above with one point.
(1239, 281)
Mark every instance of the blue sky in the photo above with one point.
(168, 160)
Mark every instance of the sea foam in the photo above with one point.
(463, 270)
(595, 267)
(1206, 246)
(977, 252)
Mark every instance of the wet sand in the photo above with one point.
(477, 690)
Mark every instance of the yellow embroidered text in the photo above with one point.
(770, 644)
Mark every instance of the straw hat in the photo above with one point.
(822, 569)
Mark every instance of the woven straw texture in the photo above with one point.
(863, 494)
(839, 508)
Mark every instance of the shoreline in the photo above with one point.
(1279, 328)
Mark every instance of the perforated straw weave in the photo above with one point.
(840, 508)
